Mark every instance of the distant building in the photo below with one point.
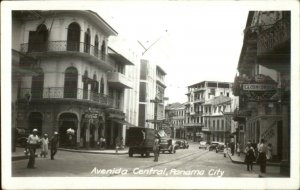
(151, 95)
(80, 82)
(263, 83)
(200, 113)
(174, 115)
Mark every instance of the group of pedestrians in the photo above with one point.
(262, 153)
(34, 142)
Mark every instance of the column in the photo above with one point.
(285, 161)
(87, 135)
(78, 135)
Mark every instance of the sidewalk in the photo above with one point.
(273, 168)
(20, 155)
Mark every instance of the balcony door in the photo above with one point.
(71, 81)
(73, 39)
(37, 41)
(87, 41)
(37, 85)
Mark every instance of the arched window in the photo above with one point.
(101, 86)
(37, 84)
(87, 41)
(38, 39)
(103, 49)
(95, 88)
(73, 39)
(96, 48)
(85, 85)
(71, 80)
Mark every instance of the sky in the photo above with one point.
(196, 41)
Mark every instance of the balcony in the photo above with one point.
(199, 100)
(193, 124)
(273, 38)
(118, 80)
(62, 94)
(52, 48)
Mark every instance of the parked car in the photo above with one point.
(168, 145)
(21, 136)
(220, 147)
(186, 144)
(213, 145)
(179, 144)
(203, 144)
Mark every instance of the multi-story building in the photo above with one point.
(79, 83)
(198, 110)
(263, 83)
(22, 65)
(151, 95)
(175, 115)
(218, 124)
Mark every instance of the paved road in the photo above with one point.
(190, 162)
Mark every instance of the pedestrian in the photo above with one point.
(102, 142)
(117, 143)
(262, 158)
(232, 148)
(122, 143)
(156, 149)
(54, 144)
(269, 152)
(250, 156)
(225, 150)
(32, 144)
(238, 149)
(44, 142)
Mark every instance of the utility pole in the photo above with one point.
(155, 101)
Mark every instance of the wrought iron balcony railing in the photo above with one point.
(65, 93)
(65, 46)
(274, 36)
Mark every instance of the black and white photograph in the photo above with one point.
(150, 94)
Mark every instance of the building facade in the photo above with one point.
(175, 116)
(151, 95)
(263, 83)
(200, 109)
(80, 82)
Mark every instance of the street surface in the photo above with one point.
(191, 162)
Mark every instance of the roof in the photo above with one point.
(117, 56)
(200, 83)
(218, 100)
(175, 106)
(161, 70)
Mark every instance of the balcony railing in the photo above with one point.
(65, 46)
(199, 100)
(273, 36)
(65, 93)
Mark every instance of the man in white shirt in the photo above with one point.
(32, 143)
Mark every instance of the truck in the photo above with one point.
(140, 140)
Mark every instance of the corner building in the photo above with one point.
(78, 85)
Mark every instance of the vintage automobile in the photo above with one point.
(203, 144)
(213, 145)
(140, 141)
(220, 147)
(182, 144)
(168, 145)
(185, 144)
(21, 136)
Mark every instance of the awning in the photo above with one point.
(122, 122)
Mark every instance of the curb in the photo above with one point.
(92, 152)
(254, 163)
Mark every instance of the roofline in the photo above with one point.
(209, 81)
(157, 66)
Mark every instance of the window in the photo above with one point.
(37, 84)
(96, 47)
(70, 86)
(73, 38)
(38, 39)
(85, 85)
(102, 86)
(87, 41)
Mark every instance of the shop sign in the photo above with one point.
(91, 115)
(259, 87)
